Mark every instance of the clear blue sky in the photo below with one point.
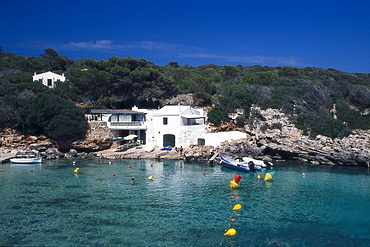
(325, 34)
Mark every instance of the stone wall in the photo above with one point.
(97, 138)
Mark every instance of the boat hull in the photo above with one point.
(232, 164)
(26, 160)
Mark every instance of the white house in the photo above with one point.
(48, 78)
(175, 126)
(123, 122)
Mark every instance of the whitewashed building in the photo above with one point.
(173, 126)
(122, 122)
(48, 78)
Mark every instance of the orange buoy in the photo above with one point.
(204, 173)
(232, 197)
(232, 220)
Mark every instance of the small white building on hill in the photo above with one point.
(48, 78)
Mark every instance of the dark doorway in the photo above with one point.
(168, 140)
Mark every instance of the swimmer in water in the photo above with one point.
(132, 181)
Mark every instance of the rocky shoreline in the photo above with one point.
(280, 140)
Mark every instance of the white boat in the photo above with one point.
(261, 163)
(26, 158)
(234, 164)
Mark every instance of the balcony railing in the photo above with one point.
(134, 123)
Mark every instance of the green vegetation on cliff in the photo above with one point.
(320, 101)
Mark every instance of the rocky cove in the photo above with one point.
(270, 136)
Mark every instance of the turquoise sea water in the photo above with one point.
(186, 204)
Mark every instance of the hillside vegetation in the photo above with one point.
(320, 101)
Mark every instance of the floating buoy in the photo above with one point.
(230, 232)
(31, 170)
(130, 167)
(150, 177)
(233, 184)
(113, 175)
(194, 183)
(237, 207)
(268, 176)
(76, 170)
(109, 163)
(303, 174)
(232, 197)
(237, 178)
(259, 176)
(204, 173)
(232, 220)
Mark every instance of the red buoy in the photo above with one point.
(237, 178)
(232, 220)
(130, 167)
(232, 197)
(113, 175)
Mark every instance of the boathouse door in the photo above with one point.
(168, 140)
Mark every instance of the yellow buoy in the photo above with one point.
(237, 207)
(233, 184)
(76, 170)
(230, 232)
(150, 177)
(259, 176)
(268, 177)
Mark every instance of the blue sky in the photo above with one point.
(325, 34)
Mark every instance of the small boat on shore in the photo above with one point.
(26, 158)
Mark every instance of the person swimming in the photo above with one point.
(133, 181)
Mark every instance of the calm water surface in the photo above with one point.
(186, 204)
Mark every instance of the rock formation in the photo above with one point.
(272, 136)
(97, 138)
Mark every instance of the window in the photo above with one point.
(201, 142)
(165, 121)
(50, 82)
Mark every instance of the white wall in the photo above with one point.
(48, 75)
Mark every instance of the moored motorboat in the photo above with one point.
(262, 163)
(234, 164)
(26, 158)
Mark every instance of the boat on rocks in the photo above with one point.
(26, 158)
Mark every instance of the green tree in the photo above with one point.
(217, 116)
(57, 118)
(261, 78)
(231, 72)
(49, 53)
